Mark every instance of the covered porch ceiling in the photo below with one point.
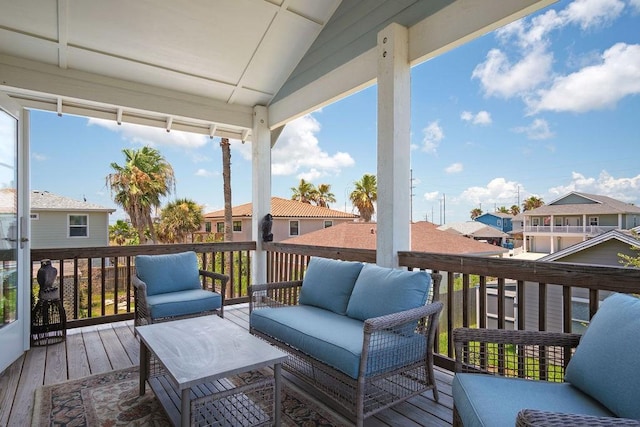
(202, 65)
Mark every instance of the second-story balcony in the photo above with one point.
(587, 230)
(476, 291)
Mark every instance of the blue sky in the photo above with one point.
(544, 106)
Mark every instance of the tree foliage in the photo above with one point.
(122, 233)
(303, 192)
(475, 213)
(532, 202)
(138, 185)
(514, 210)
(178, 220)
(322, 195)
(364, 196)
(628, 260)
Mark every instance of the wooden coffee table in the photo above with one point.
(188, 364)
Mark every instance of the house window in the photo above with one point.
(220, 227)
(78, 226)
(499, 223)
(34, 216)
(579, 315)
(593, 220)
(558, 221)
(237, 226)
(535, 222)
(207, 227)
(294, 228)
(328, 224)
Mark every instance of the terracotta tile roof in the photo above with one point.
(425, 237)
(283, 208)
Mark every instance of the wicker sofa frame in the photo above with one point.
(538, 356)
(368, 394)
(211, 280)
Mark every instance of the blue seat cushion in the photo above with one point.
(487, 400)
(168, 272)
(606, 364)
(334, 339)
(328, 283)
(379, 291)
(182, 303)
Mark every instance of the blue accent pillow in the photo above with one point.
(606, 364)
(168, 273)
(381, 290)
(328, 283)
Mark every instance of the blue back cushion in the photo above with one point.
(606, 364)
(380, 290)
(168, 273)
(328, 283)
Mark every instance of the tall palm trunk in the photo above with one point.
(228, 216)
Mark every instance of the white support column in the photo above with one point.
(394, 166)
(261, 189)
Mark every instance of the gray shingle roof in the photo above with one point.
(45, 201)
(602, 205)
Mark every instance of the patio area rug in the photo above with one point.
(111, 399)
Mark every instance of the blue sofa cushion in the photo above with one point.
(328, 283)
(168, 273)
(487, 400)
(380, 290)
(606, 364)
(183, 303)
(333, 338)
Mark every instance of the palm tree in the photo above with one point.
(323, 195)
(532, 203)
(304, 192)
(502, 209)
(514, 210)
(475, 213)
(121, 232)
(179, 219)
(364, 196)
(226, 178)
(138, 185)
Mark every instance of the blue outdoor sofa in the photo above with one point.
(591, 380)
(359, 333)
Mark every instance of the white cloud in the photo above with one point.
(431, 196)
(38, 157)
(298, 152)
(454, 168)
(594, 87)
(481, 118)
(433, 134)
(498, 191)
(538, 129)
(153, 136)
(635, 4)
(507, 77)
(205, 173)
(501, 77)
(625, 189)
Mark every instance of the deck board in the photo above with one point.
(114, 346)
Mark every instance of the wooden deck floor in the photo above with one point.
(113, 346)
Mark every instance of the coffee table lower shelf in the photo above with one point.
(219, 403)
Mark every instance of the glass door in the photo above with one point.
(14, 307)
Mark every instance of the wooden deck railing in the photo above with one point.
(487, 292)
(96, 282)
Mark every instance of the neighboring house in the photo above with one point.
(61, 222)
(425, 237)
(499, 220)
(600, 250)
(574, 218)
(478, 231)
(290, 218)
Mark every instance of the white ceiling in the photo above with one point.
(202, 65)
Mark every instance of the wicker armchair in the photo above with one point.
(169, 287)
(598, 388)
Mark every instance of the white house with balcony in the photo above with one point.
(574, 218)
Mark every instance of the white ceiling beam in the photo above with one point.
(460, 22)
(63, 32)
(18, 73)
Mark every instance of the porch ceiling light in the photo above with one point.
(119, 116)
(212, 130)
(169, 123)
(59, 106)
